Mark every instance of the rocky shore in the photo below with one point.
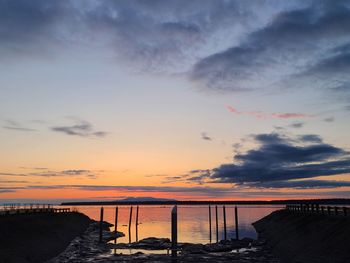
(86, 248)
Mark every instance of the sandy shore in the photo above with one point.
(38, 237)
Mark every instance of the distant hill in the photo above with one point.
(145, 199)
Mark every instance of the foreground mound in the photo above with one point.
(309, 238)
(38, 237)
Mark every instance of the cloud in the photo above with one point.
(80, 128)
(298, 48)
(329, 119)
(302, 184)
(264, 115)
(205, 137)
(2, 191)
(297, 125)
(221, 191)
(310, 138)
(30, 27)
(134, 30)
(282, 161)
(13, 125)
(12, 182)
(221, 45)
(44, 172)
(198, 191)
(12, 174)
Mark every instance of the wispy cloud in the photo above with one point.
(265, 115)
(80, 128)
(329, 119)
(198, 191)
(44, 172)
(205, 136)
(13, 125)
(297, 125)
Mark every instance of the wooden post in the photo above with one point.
(236, 222)
(116, 219)
(336, 210)
(130, 224)
(209, 224)
(101, 225)
(174, 231)
(137, 223)
(345, 211)
(224, 214)
(317, 208)
(328, 210)
(322, 210)
(217, 224)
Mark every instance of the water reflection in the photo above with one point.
(193, 221)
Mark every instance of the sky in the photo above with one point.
(188, 100)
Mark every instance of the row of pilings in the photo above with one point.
(174, 224)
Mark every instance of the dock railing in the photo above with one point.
(319, 209)
(13, 209)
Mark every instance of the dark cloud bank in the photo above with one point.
(282, 161)
(222, 45)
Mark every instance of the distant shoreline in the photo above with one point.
(335, 201)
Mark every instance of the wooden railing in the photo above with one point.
(13, 209)
(319, 209)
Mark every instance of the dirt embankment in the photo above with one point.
(38, 237)
(299, 238)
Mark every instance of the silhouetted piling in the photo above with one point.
(137, 224)
(174, 232)
(101, 225)
(236, 222)
(116, 219)
(210, 224)
(217, 224)
(130, 224)
(224, 215)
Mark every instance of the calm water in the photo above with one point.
(193, 222)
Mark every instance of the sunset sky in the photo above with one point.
(189, 100)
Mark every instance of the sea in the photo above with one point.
(193, 221)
